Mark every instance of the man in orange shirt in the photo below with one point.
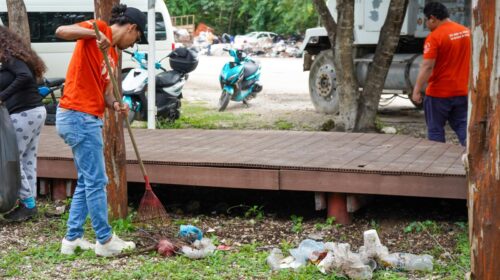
(79, 122)
(446, 66)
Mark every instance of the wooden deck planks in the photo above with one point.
(295, 160)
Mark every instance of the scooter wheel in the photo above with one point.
(224, 100)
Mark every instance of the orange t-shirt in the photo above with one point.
(87, 77)
(449, 44)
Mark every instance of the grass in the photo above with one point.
(40, 259)
(199, 115)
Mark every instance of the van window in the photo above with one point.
(161, 33)
(43, 25)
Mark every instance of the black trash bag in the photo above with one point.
(10, 173)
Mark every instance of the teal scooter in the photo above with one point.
(239, 79)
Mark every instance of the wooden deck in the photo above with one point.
(283, 160)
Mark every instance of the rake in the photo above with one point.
(150, 207)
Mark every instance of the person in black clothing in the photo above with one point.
(20, 68)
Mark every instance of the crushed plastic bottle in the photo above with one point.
(409, 262)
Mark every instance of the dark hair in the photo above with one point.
(437, 10)
(118, 15)
(13, 46)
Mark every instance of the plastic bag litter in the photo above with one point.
(10, 173)
(277, 261)
(190, 232)
(274, 259)
(305, 251)
(342, 259)
(201, 249)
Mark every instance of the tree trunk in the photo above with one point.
(347, 83)
(378, 69)
(483, 149)
(18, 19)
(327, 20)
(114, 143)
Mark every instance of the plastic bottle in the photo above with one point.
(409, 262)
(303, 253)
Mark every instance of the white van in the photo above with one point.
(46, 15)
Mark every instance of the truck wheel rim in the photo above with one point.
(326, 81)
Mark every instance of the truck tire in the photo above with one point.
(323, 83)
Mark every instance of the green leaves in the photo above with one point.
(243, 16)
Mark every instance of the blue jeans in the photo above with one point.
(438, 111)
(83, 133)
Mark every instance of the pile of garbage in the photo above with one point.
(195, 245)
(338, 257)
(208, 44)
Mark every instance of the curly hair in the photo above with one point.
(436, 9)
(118, 15)
(12, 46)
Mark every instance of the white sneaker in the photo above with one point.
(113, 247)
(68, 247)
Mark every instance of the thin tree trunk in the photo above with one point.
(327, 19)
(347, 83)
(483, 148)
(377, 72)
(114, 143)
(18, 19)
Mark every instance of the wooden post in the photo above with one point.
(59, 190)
(114, 143)
(483, 151)
(337, 207)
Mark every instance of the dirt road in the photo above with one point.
(286, 96)
(285, 86)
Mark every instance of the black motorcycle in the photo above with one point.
(169, 84)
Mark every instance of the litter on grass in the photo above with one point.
(338, 257)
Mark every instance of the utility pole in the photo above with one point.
(483, 148)
(151, 65)
(114, 142)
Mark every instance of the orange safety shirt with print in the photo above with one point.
(450, 45)
(87, 76)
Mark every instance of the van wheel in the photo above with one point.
(323, 83)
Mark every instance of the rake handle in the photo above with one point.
(116, 93)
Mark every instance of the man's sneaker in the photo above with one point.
(113, 247)
(68, 247)
(21, 213)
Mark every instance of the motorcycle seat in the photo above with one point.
(249, 69)
(167, 79)
(54, 82)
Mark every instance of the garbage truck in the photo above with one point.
(369, 17)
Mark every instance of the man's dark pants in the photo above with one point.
(440, 110)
